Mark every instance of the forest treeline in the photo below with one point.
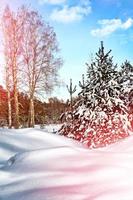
(45, 112)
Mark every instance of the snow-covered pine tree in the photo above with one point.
(101, 116)
(126, 80)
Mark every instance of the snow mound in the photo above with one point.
(45, 166)
(19, 141)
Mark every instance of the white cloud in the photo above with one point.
(70, 14)
(110, 26)
(128, 23)
(85, 2)
(54, 2)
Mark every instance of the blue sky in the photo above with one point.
(80, 25)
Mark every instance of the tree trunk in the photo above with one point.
(31, 113)
(16, 105)
(15, 84)
(9, 109)
(71, 102)
(8, 98)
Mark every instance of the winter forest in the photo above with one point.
(79, 148)
(31, 64)
(99, 115)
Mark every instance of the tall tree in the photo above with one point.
(40, 60)
(12, 26)
(126, 82)
(71, 91)
(31, 57)
(5, 23)
(101, 116)
(11, 35)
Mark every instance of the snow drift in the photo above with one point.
(37, 165)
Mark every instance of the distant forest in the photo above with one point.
(45, 112)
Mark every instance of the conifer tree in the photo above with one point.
(71, 91)
(126, 82)
(101, 116)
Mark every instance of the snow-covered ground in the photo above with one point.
(36, 164)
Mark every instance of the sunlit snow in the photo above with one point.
(36, 164)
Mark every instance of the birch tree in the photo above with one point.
(12, 25)
(6, 22)
(30, 50)
(40, 58)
